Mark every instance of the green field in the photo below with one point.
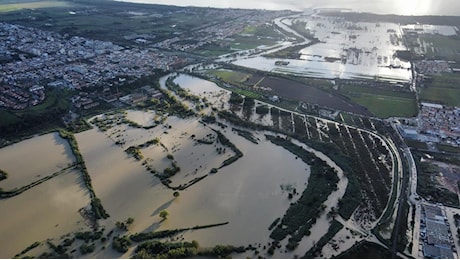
(253, 37)
(230, 75)
(247, 93)
(56, 99)
(438, 46)
(106, 20)
(366, 250)
(8, 7)
(382, 103)
(7, 118)
(211, 51)
(445, 89)
(250, 42)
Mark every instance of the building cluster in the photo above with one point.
(235, 20)
(441, 122)
(141, 95)
(437, 241)
(32, 59)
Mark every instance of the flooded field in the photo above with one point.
(49, 210)
(205, 89)
(141, 117)
(246, 194)
(25, 161)
(346, 50)
(249, 195)
(223, 173)
(444, 30)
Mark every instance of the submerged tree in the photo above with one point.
(164, 214)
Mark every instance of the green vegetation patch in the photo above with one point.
(302, 214)
(8, 118)
(242, 42)
(27, 249)
(332, 230)
(366, 250)
(443, 89)
(224, 141)
(448, 148)
(135, 152)
(212, 50)
(139, 237)
(176, 250)
(121, 244)
(246, 134)
(430, 188)
(96, 205)
(440, 47)
(3, 175)
(8, 7)
(230, 75)
(255, 36)
(382, 103)
(247, 93)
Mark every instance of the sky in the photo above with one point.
(400, 7)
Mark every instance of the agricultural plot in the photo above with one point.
(138, 159)
(371, 164)
(436, 46)
(443, 89)
(230, 75)
(371, 161)
(437, 181)
(8, 7)
(382, 103)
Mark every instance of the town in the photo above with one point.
(34, 59)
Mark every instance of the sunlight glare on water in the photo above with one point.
(405, 7)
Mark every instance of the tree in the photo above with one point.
(176, 194)
(164, 214)
(130, 221)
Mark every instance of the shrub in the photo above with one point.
(86, 249)
(164, 214)
(121, 244)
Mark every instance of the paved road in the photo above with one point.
(403, 196)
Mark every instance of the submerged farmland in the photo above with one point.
(343, 49)
(239, 175)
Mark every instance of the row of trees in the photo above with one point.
(96, 205)
(302, 214)
(3, 175)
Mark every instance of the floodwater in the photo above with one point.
(247, 193)
(227, 203)
(26, 162)
(118, 180)
(215, 95)
(144, 118)
(444, 30)
(196, 85)
(423, 7)
(347, 51)
(48, 210)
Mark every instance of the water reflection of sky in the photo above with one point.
(405, 7)
(346, 50)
